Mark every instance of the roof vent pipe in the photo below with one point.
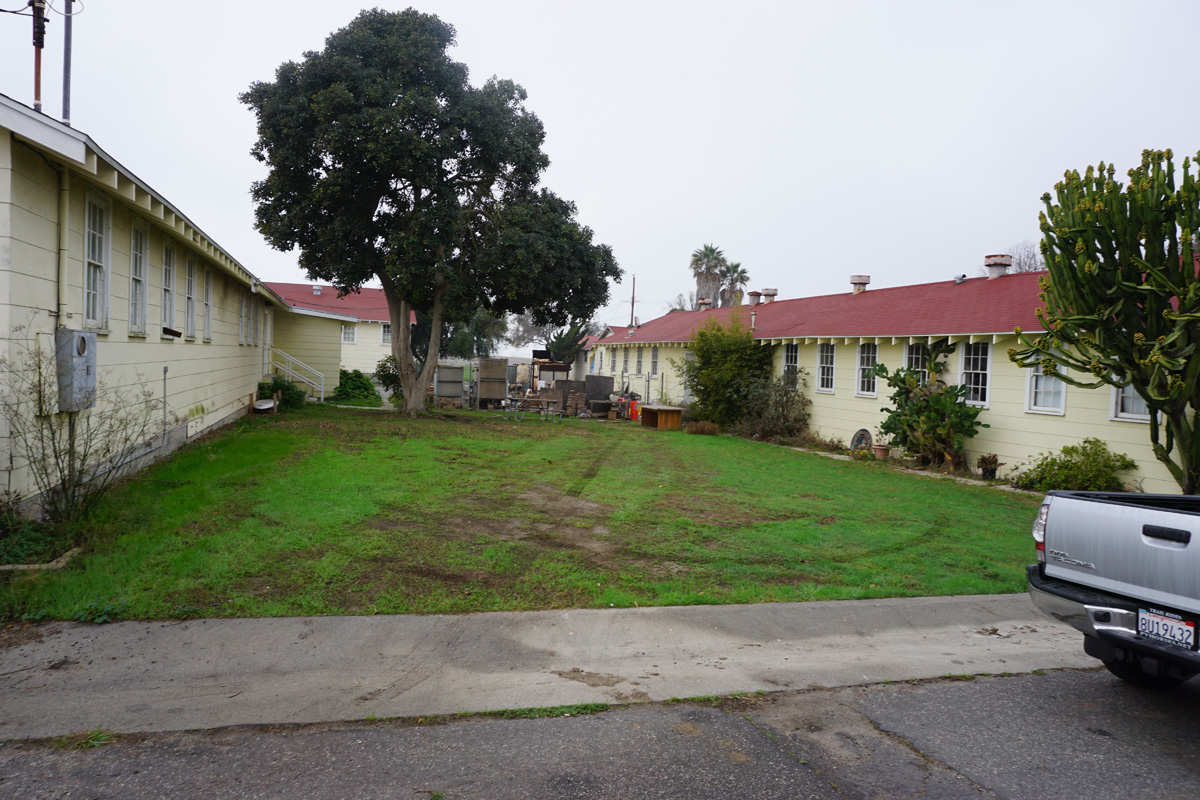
(704, 303)
(754, 297)
(753, 319)
(997, 265)
(316, 290)
(959, 278)
(858, 283)
(769, 295)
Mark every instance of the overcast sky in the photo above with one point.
(810, 141)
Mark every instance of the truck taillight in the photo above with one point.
(1039, 532)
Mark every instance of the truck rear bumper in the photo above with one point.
(1103, 617)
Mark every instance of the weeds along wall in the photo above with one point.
(117, 227)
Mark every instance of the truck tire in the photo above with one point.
(1132, 671)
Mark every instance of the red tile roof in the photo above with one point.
(366, 304)
(975, 306)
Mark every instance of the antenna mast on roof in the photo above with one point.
(632, 301)
(66, 103)
(39, 40)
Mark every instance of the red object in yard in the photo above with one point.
(633, 410)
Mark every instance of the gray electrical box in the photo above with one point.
(75, 363)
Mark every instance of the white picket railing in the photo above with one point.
(297, 371)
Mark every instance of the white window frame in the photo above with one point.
(791, 364)
(268, 332)
(868, 357)
(916, 359)
(208, 301)
(167, 308)
(255, 308)
(241, 318)
(654, 361)
(1117, 415)
(189, 299)
(625, 360)
(968, 365)
(826, 372)
(385, 334)
(639, 361)
(139, 273)
(612, 363)
(97, 266)
(353, 334)
(1034, 380)
(600, 362)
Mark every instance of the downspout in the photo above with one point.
(64, 211)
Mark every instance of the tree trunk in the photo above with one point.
(412, 383)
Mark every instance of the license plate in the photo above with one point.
(1167, 628)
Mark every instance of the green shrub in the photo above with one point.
(291, 397)
(354, 385)
(702, 428)
(388, 376)
(776, 410)
(726, 371)
(23, 540)
(1089, 467)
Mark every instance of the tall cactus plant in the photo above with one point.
(1122, 296)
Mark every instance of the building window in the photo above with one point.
(1047, 393)
(654, 360)
(791, 364)
(241, 318)
(347, 334)
(599, 362)
(825, 353)
(139, 259)
(253, 322)
(867, 356)
(168, 288)
(189, 299)
(1129, 405)
(975, 372)
(612, 364)
(95, 279)
(208, 299)
(639, 362)
(268, 338)
(385, 333)
(624, 360)
(916, 360)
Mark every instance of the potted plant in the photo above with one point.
(988, 463)
(883, 445)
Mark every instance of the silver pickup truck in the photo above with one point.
(1124, 569)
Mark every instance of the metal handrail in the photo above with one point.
(288, 367)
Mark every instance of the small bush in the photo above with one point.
(291, 398)
(388, 376)
(1089, 466)
(354, 385)
(702, 428)
(101, 611)
(776, 410)
(23, 540)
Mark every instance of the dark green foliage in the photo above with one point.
(701, 428)
(1089, 466)
(1122, 296)
(776, 410)
(386, 163)
(388, 376)
(566, 343)
(354, 385)
(101, 611)
(475, 338)
(23, 540)
(727, 372)
(930, 420)
(291, 396)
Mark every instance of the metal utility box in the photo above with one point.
(449, 381)
(75, 364)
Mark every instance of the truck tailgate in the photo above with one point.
(1125, 548)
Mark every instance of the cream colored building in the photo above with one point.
(85, 245)
(836, 339)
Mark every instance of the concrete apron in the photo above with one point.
(158, 676)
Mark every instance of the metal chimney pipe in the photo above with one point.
(66, 105)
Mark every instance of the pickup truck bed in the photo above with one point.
(1124, 570)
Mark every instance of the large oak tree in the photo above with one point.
(386, 163)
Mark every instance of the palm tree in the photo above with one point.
(707, 263)
(733, 280)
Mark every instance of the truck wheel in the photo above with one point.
(1132, 671)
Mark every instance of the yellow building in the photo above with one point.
(87, 246)
(837, 339)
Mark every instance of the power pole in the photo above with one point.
(39, 40)
(66, 103)
(632, 301)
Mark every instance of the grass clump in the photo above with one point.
(355, 388)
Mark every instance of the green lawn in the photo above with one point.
(338, 511)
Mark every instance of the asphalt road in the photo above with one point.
(1065, 734)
